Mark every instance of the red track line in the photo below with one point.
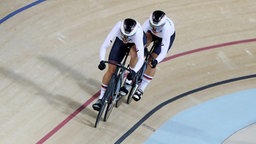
(77, 111)
(71, 116)
(209, 47)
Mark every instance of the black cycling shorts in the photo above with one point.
(119, 49)
(158, 40)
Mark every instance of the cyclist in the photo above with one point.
(128, 36)
(160, 29)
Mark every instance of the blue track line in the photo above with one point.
(20, 10)
(210, 122)
(150, 113)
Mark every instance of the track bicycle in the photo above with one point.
(138, 78)
(112, 97)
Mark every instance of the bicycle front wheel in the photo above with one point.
(100, 113)
(108, 110)
(111, 97)
(131, 93)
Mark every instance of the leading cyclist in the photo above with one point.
(128, 36)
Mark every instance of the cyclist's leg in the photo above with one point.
(104, 85)
(149, 37)
(116, 55)
(105, 80)
(133, 61)
(133, 52)
(147, 78)
(150, 72)
(133, 57)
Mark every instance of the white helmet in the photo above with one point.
(157, 19)
(129, 27)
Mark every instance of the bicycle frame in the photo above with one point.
(117, 83)
(110, 96)
(138, 78)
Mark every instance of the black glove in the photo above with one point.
(131, 75)
(154, 62)
(102, 65)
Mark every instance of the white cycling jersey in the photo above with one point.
(137, 39)
(165, 33)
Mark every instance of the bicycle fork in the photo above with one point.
(117, 89)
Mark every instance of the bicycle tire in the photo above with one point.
(106, 100)
(109, 109)
(111, 96)
(100, 113)
(135, 85)
(119, 97)
(131, 93)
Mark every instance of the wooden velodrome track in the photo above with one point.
(49, 56)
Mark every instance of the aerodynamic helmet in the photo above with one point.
(157, 19)
(129, 27)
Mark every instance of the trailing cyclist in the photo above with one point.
(159, 29)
